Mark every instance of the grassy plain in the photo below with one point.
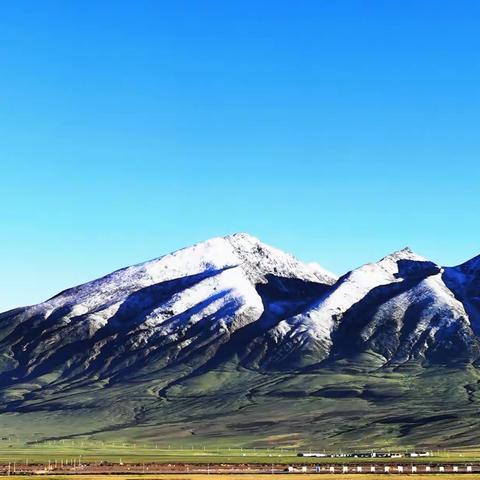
(88, 451)
(326, 409)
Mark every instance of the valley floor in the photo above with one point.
(74, 454)
(327, 409)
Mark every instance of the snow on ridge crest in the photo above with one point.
(258, 258)
(404, 254)
(350, 289)
(238, 251)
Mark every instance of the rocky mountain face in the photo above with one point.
(237, 297)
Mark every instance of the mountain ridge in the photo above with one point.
(232, 272)
(234, 304)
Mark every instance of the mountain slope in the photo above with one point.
(413, 316)
(232, 328)
(181, 306)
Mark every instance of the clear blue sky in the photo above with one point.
(336, 130)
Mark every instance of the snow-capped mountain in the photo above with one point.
(237, 298)
(172, 308)
(412, 315)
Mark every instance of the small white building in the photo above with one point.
(313, 454)
(418, 454)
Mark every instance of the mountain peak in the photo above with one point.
(242, 236)
(405, 253)
(259, 257)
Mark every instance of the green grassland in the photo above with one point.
(90, 451)
(342, 408)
